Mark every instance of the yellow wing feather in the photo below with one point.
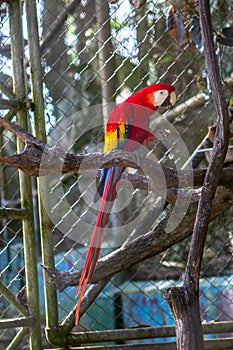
(110, 140)
(115, 137)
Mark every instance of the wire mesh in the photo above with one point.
(93, 54)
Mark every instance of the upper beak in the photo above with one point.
(170, 100)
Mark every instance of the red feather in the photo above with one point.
(134, 115)
(108, 197)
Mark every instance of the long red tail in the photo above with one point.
(108, 196)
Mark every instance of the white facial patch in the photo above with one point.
(159, 97)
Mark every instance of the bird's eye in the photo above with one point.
(159, 97)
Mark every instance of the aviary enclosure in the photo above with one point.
(63, 66)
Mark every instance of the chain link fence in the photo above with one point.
(95, 53)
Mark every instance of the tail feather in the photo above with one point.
(88, 269)
(109, 194)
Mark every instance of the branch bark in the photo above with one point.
(184, 301)
(135, 251)
(38, 159)
(6, 104)
(144, 246)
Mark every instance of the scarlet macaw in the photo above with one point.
(127, 129)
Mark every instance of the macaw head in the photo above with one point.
(154, 96)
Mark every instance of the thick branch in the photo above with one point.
(6, 104)
(13, 213)
(133, 252)
(37, 159)
(194, 102)
(19, 132)
(184, 301)
(17, 322)
(219, 151)
(143, 247)
(5, 89)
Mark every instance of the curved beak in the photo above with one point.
(170, 100)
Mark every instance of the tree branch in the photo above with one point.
(145, 246)
(218, 155)
(193, 102)
(133, 252)
(5, 88)
(38, 159)
(184, 301)
(6, 104)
